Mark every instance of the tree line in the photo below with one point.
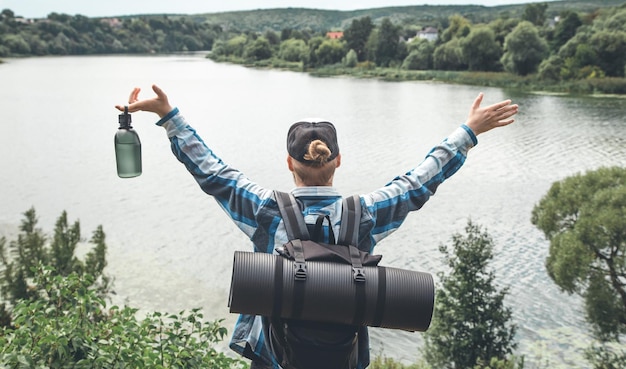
(62, 34)
(575, 45)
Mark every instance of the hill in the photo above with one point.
(260, 20)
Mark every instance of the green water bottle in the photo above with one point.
(127, 148)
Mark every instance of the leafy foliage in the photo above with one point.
(584, 218)
(589, 58)
(386, 49)
(576, 46)
(69, 326)
(604, 357)
(58, 316)
(294, 50)
(19, 258)
(481, 49)
(449, 56)
(61, 34)
(357, 34)
(524, 49)
(565, 29)
(471, 326)
(535, 13)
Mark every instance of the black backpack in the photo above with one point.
(300, 344)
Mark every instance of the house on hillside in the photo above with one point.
(428, 33)
(23, 20)
(334, 35)
(112, 22)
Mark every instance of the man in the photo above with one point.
(313, 157)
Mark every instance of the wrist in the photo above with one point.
(165, 110)
(167, 116)
(471, 133)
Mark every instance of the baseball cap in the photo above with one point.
(302, 133)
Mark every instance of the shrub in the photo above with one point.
(71, 327)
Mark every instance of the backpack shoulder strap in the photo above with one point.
(350, 220)
(292, 216)
(297, 229)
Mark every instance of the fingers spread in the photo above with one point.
(477, 101)
(500, 105)
(134, 95)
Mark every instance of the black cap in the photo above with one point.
(301, 134)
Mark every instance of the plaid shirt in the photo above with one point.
(255, 211)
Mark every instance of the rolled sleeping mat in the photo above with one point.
(265, 284)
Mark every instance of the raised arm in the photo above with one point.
(236, 194)
(389, 205)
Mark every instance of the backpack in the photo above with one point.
(301, 344)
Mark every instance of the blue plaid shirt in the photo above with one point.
(254, 209)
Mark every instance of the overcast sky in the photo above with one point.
(103, 8)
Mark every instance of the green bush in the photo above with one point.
(70, 326)
(20, 257)
(383, 362)
(609, 85)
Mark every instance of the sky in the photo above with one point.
(105, 8)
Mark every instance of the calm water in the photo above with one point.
(170, 246)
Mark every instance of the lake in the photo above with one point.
(170, 247)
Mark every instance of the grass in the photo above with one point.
(609, 86)
(382, 362)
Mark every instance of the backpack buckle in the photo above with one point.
(358, 275)
(300, 274)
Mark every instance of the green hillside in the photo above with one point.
(260, 20)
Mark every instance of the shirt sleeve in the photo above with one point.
(234, 192)
(390, 205)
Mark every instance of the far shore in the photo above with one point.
(597, 87)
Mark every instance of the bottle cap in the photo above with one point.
(125, 119)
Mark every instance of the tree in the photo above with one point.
(524, 49)
(387, 46)
(236, 45)
(565, 29)
(60, 319)
(19, 260)
(16, 44)
(502, 27)
(535, 13)
(584, 218)
(371, 45)
(459, 27)
(471, 326)
(420, 55)
(314, 43)
(7, 14)
(70, 326)
(351, 60)
(551, 69)
(610, 46)
(272, 37)
(357, 34)
(294, 50)
(259, 49)
(603, 357)
(449, 56)
(481, 51)
(330, 52)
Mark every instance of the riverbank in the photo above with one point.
(608, 86)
